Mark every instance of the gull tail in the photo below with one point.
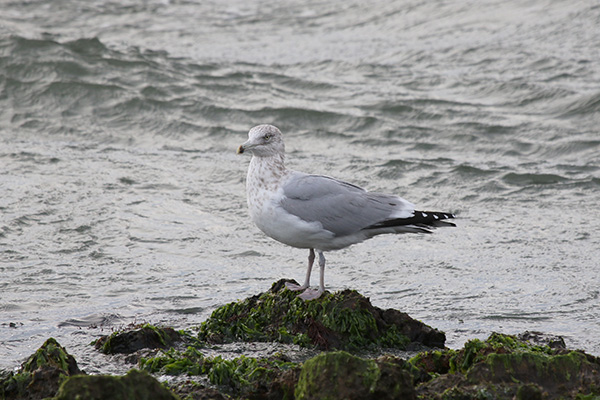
(420, 221)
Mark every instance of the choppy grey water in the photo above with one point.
(122, 198)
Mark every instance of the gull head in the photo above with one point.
(263, 141)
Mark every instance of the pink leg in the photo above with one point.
(311, 260)
(310, 294)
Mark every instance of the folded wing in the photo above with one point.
(342, 208)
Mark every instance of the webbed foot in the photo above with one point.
(294, 287)
(311, 294)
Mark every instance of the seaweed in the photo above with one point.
(342, 320)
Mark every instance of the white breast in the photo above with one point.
(265, 193)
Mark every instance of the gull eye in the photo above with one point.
(267, 136)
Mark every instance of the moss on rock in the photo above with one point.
(340, 375)
(145, 337)
(507, 367)
(41, 374)
(343, 320)
(503, 367)
(431, 364)
(135, 385)
(552, 372)
(52, 354)
(242, 376)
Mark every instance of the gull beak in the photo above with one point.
(247, 145)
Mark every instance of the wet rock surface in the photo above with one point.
(145, 337)
(41, 375)
(343, 320)
(509, 367)
(340, 375)
(527, 366)
(135, 385)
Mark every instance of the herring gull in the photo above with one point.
(317, 212)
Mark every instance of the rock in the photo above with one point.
(146, 337)
(45, 381)
(54, 355)
(284, 385)
(41, 374)
(554, 373)
(243, 377)
(507, 367)
(343, 320)
(529, 392)
(415, 330)
(531, 366)
(191, 390)
(542, 339)
(432, 362)
(340, 375)
(135, 385)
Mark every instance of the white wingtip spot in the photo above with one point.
(435, 216)
(424, 215)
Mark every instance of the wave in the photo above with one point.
(528, 179)
(82, 88)
(588, 104)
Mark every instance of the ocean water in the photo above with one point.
(123, 201)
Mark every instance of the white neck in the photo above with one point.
(265, 171)
(264, 177)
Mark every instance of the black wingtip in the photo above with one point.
(433, 218)
(421, 219)
(438, 217)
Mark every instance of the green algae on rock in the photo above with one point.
(342, 320)
(135, 385)
(242, 376)
(340, 375)
(278, 378)
(52, 354)
(432, 363)
(145, 337)
(475, 351)
(41, 375)
(503, 367)
(506, 367)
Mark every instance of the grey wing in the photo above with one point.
(342, 208)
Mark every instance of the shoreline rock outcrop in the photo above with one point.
(342, 325)
(344, 320)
